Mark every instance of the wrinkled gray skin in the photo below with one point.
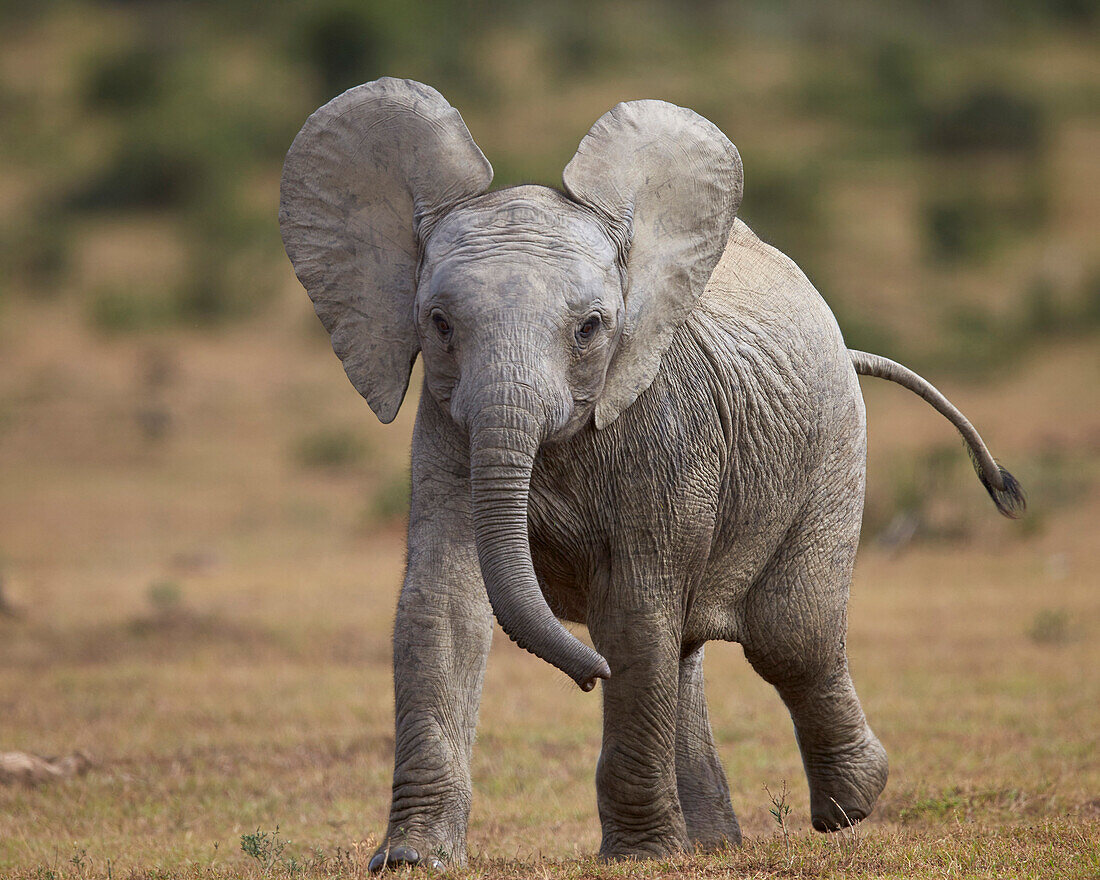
(605, 436)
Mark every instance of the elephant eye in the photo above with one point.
(588, 329)
(441, 324)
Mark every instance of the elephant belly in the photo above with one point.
(567, 597)
(559, 563)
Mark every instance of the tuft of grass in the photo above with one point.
(331, 449)
(937, 807)
(165, 597)
(1051, 626)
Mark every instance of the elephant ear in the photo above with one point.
(364, 181)
(668, 184)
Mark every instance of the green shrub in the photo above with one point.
(165, 597)
(128, 80)
(144, 175)
(202, 300)
(209, 298)
(265, 847)
(128, 309)
(861, 328)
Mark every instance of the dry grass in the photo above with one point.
(1036, 850)
(209, 618)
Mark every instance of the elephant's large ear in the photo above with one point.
(367, 176)
(668, 183)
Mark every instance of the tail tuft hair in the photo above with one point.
(1010, 499)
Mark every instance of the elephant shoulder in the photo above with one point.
(758, 289)
(752, 277)
(762, 310)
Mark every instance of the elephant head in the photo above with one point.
(537, 312)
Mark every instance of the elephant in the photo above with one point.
(635, 415)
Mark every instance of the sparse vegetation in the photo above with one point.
(779, 811)
(331, 449)
(265, 847)
(165, 596)
(1051, 626)
(988, 120)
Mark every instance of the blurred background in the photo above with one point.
(201, 524)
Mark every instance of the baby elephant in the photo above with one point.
(636, 415)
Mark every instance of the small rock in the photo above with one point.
(31, 769)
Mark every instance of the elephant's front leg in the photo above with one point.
(636, 776)
(440, 644)
(700, 779)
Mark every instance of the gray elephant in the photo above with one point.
(636, 416)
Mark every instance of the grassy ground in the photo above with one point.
(204, 607)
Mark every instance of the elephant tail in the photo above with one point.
(999, 483)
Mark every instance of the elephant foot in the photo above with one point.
(845, 783)
(721, 834)
(638, 854)
(631, 847)
(400, 856)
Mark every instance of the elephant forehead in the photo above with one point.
(526, 219)
(525, 244)
(520, 275)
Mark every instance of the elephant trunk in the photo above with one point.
(504, 436)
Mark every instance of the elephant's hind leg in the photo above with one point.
(795, 621)
(700, 779)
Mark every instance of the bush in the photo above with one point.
(126, 81)
(990, 119)
(202, 300)
(959, 228)
(144, 175)
(209, 297)
(862, 329)
(115, 310)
